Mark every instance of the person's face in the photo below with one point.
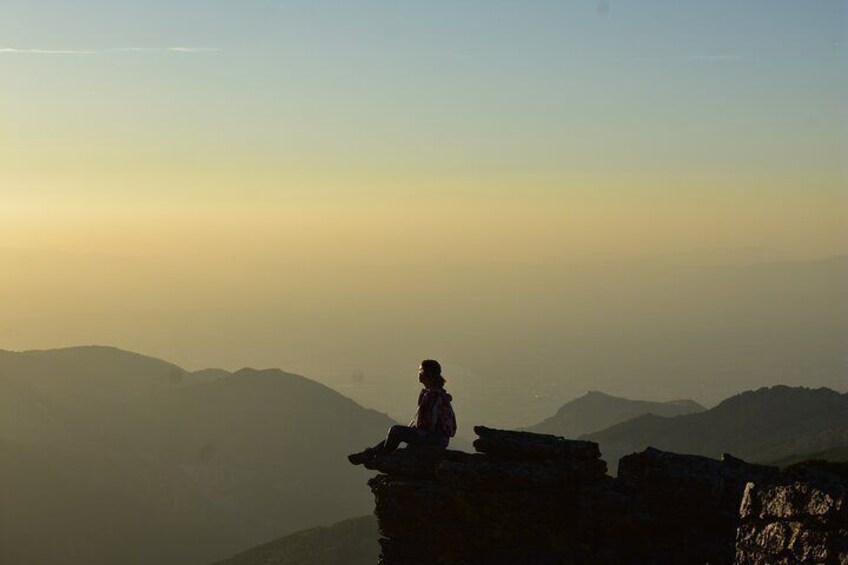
(422, 376)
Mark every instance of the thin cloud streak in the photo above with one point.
(177, 49)
(194, 49)
(688, 59)
(135, 49)
(166, 49)
(47, 51)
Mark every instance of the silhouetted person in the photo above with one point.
(434, 423)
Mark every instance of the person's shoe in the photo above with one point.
(362, 456)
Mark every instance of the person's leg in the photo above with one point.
(398, 434)
(378, 447)
(367, 454)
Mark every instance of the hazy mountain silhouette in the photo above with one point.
(98, 373)
(837, 453)
(121, 458)
(533, 334)
(62, 392)
(351, 542)
(763, 425)
(596, 411)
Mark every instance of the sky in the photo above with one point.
(305, 158)
(363, 112)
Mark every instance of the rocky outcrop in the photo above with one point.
(519, 502)
(528, 498)
(690, 502)
(804, 521)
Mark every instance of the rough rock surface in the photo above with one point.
(538, 499)
(804, 521)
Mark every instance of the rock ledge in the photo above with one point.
(536, 499)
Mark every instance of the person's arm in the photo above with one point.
(416, 420)
(434, 413)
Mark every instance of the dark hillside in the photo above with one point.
(762, 425)
(351, 542)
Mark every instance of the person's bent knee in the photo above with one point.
(397, 429)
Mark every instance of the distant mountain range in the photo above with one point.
(765, 425)
(116, 457)
(596, 411)
(351, 542)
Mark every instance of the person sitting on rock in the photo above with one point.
(434, 423)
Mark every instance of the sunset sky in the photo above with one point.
(230, 145)
(354, 117)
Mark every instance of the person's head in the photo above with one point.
(430, 374)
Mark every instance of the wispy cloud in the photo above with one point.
(47, 51)
(166, 49)
(135, 49)
(688, 59)
(176, 49)
(194, 49)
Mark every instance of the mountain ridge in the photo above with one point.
(597, 410)
(206, 466)
(765, 424)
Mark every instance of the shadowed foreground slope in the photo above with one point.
(351, 542)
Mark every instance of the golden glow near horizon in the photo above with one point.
(293, 163)
(534, 220)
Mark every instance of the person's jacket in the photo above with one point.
(429, 409)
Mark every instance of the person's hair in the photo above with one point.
(434, 369)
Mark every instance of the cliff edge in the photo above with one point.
(536, 499)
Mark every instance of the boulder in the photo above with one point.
(418, 462)
(526, 445)
(485, 472)
(800, 522)
(678, 483)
